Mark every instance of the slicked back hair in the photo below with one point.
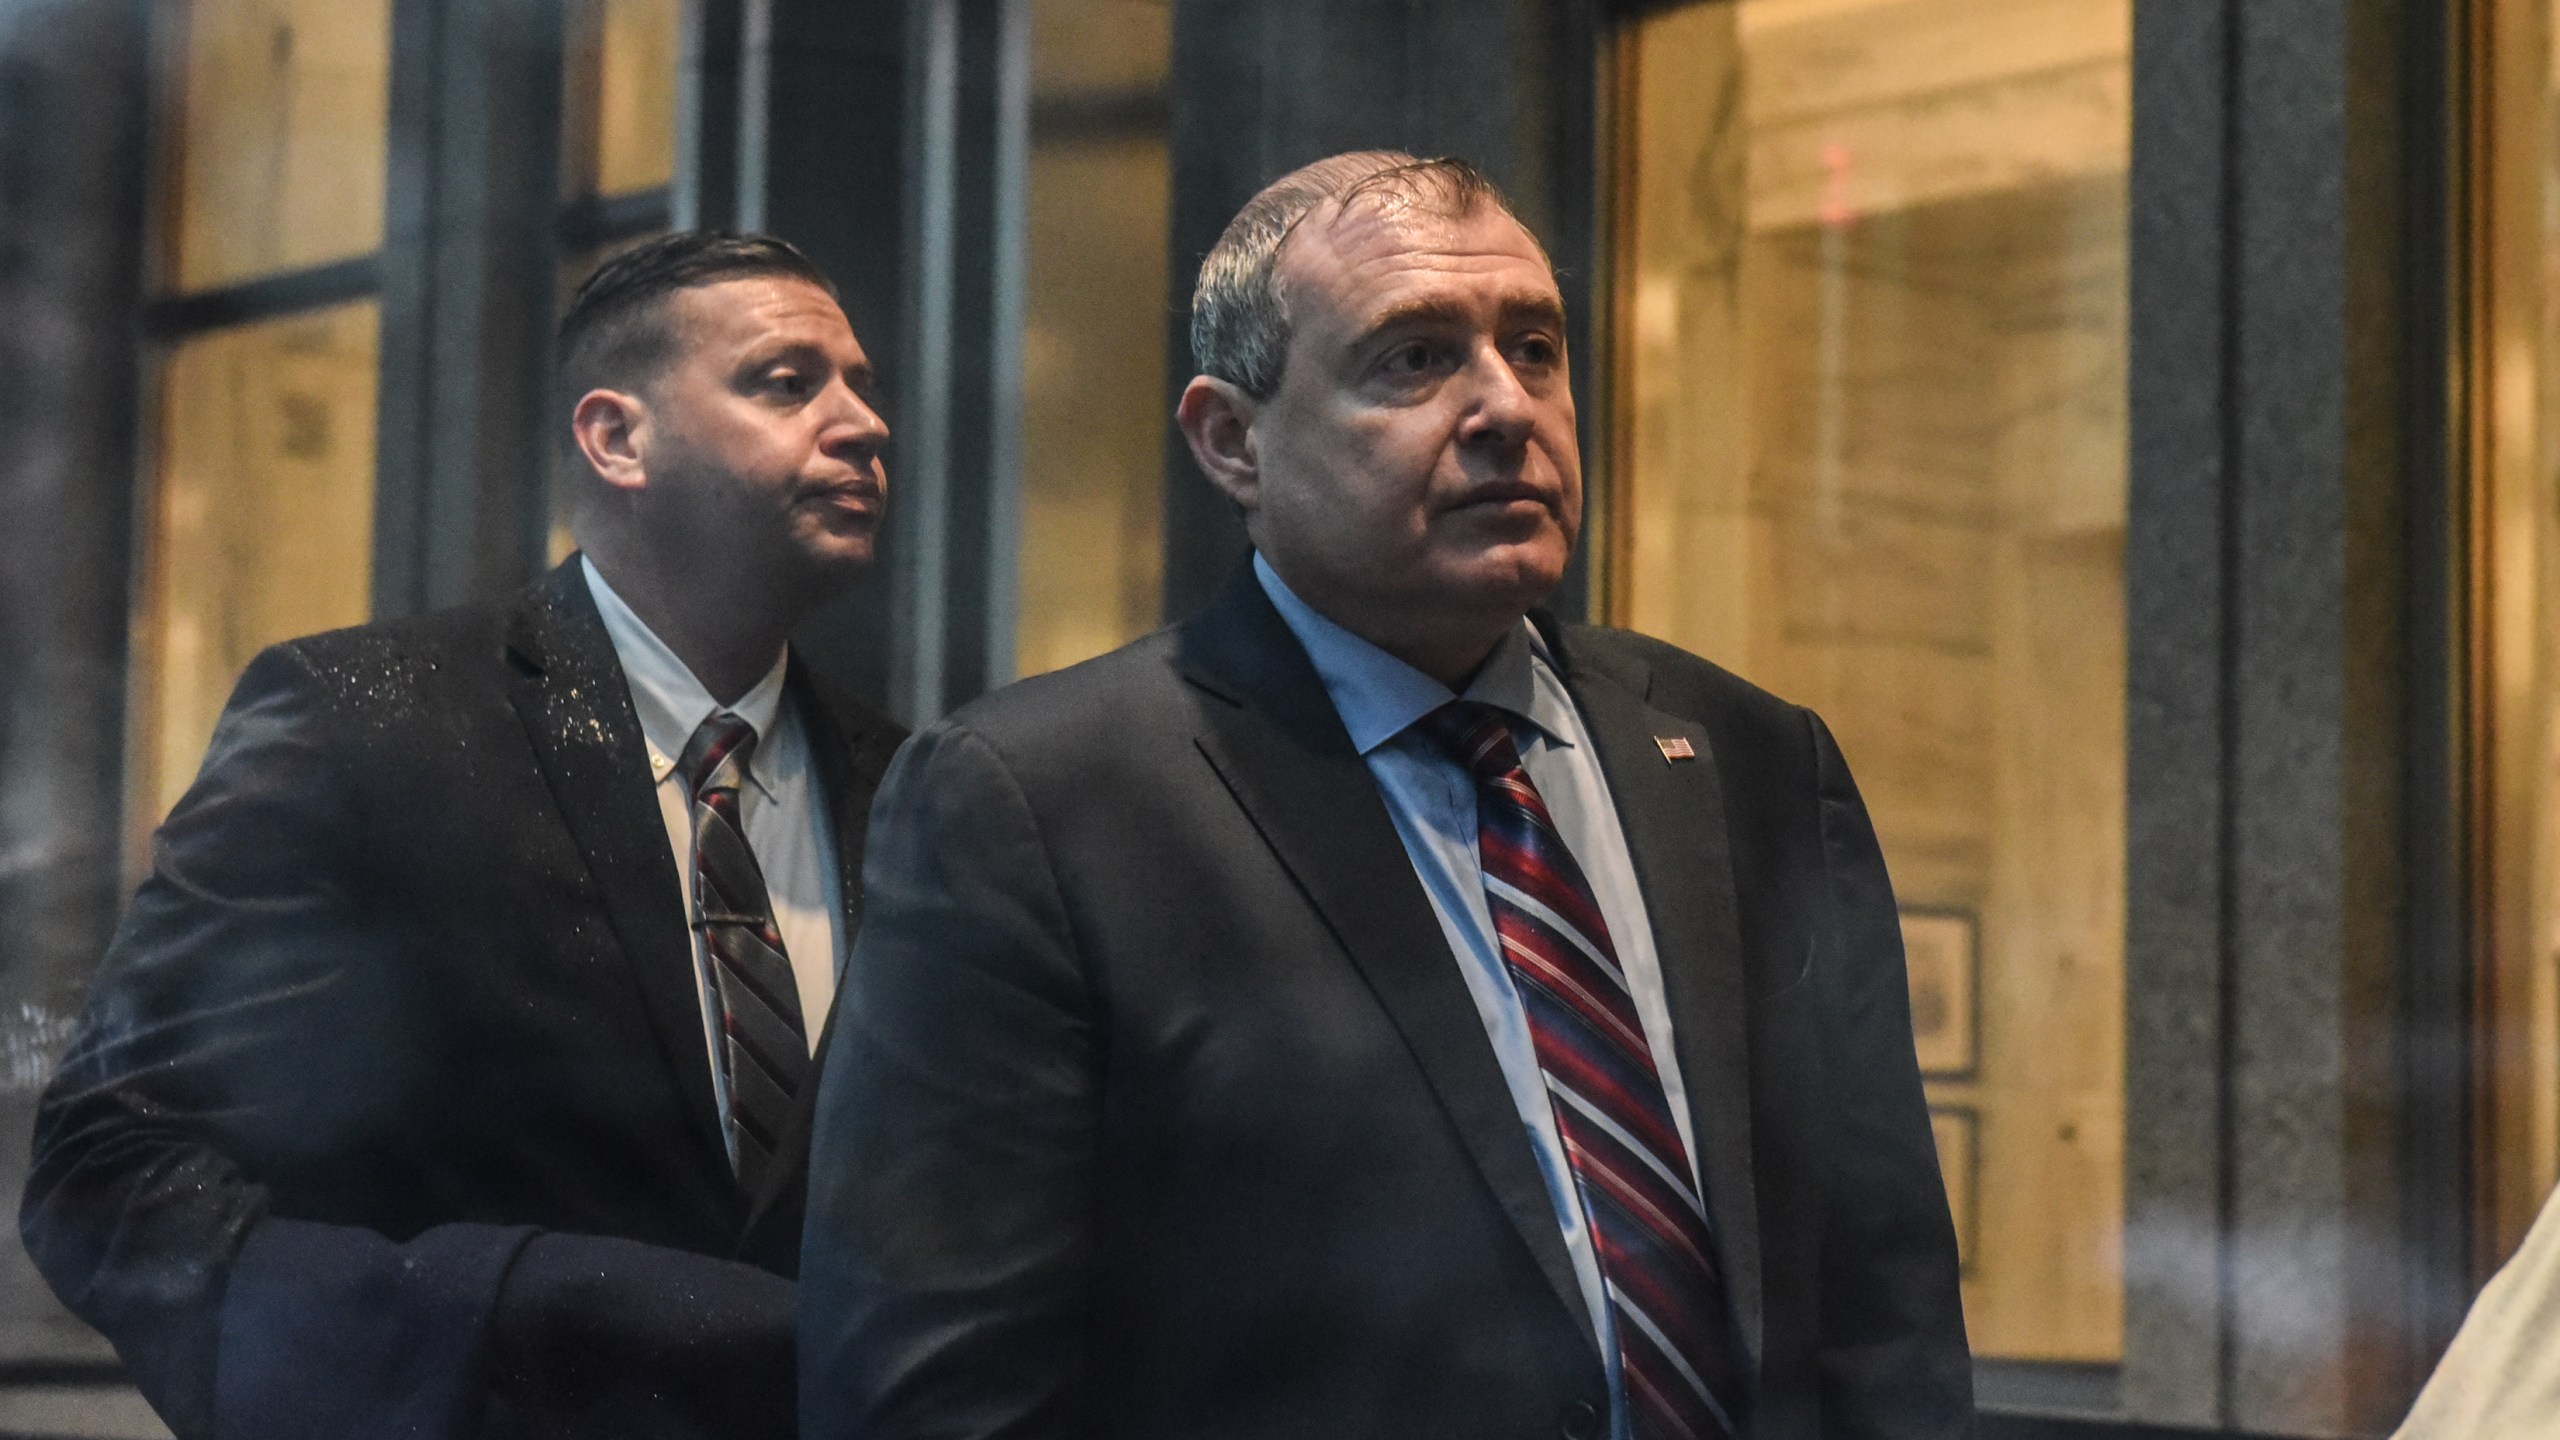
(1239, 315)
(618, 333)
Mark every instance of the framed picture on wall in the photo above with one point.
(1944, 952)
(1958, 1129)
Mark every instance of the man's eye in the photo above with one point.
(1537, 350)
(787, 382)
(1413, 358)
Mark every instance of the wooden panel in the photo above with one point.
(1093, 363)
(635, 138)
(1879, 105)
(1819, 57)
(280, 136)
(261, 528)
(2517, 560)
(1091, 568)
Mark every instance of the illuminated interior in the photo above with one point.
(1094, 330)
(1869, 449)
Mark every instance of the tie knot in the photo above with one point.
(717, 754)
(1476, 735)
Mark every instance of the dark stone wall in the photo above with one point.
(71, 164)
(2273, 1230)
(469, 255)
(2177, 550)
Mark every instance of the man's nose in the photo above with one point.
(1504, 412)
(855, 432)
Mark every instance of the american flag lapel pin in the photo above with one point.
(1675, 747)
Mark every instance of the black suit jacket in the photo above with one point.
(1159, 1107)
(389, 1114)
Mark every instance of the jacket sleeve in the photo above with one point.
(947, 1249)
(1894, 1358)
(225, 1040)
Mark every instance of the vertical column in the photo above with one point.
(2296, 1096)
(953, 609)
(711, 69)
(470, 253)
(2317, 1306)
(2291, 621)
(2441, 930)
(72, 82)
(886, 138)
(2177, 558)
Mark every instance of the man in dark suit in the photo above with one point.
(445, 1077)
(1373, 1008)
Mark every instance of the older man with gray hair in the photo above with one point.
(1373, 1007)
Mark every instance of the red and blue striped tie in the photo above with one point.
(1680, 1365)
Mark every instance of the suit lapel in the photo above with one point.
(841, 747)
(568, 689)
(1674, 820)
(840, 752)
(1282, 751)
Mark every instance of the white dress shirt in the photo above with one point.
(1432, 800)
(783, 806)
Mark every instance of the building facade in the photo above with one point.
(2134, 425)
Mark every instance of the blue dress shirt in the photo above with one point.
(1432, 801)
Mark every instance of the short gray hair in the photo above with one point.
(1239, 318)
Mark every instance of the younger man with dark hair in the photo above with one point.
(447, 1075)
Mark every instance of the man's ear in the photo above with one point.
(612, 431)
(1217, 419)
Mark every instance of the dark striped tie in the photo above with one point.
(764, 1048)
(1680, 1365)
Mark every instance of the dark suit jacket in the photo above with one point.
(389, 1114)
(1159, 1107)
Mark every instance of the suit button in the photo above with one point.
(1581, 1421)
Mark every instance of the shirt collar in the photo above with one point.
(672, 703)
(1380, 697)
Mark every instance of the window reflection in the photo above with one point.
(279, 136)
(619, 121)
(261, 525)
(1869, 446)
(1094, 327)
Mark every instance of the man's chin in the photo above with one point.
(838, 540)
(821, 569)
(1514, 579)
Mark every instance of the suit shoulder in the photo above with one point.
(1097, 702)
(1685, 683)
(385, 670)
(1739, 713)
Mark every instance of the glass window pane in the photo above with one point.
(1868, 446)
(261, 525)
(619, 129)
(279, 136)
(1093, 344)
